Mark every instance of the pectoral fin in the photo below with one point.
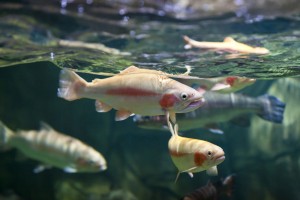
(102, 107)
(213, 171)
(122, 115)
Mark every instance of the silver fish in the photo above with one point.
(220, 108)
(55, 149)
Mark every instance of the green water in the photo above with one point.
(265, 156)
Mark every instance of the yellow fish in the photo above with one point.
(193, 155)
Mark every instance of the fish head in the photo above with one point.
(214, 155)
(91, 161)
(181, 99)
(260, 50)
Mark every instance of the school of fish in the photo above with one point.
(155, 98)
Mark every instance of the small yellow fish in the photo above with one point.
(54, 149)
(228, 45)
(193, 155)
(131, 93)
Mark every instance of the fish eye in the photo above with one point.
(209, 153)
(184, 96)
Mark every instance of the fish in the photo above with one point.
(224, 84)
(53, 149)
(213, 190)
(220, 108)
(192, 155)
(132, 93)
(228, 45)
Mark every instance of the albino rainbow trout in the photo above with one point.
(55, 149)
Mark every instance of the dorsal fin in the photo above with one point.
(129, 69)
(45, 126)
(229, 39)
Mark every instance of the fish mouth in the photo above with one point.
(194, 105)
(220, 159)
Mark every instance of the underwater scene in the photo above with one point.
(149, 100)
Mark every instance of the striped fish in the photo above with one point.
(55, 149)
(193, 155)
(132, 93)
(213, 190)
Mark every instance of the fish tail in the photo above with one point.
(5, 134)
(70, 85)
(273, 109)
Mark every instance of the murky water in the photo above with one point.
(106, 38)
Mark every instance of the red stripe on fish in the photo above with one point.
(168, 100)
(230, 80)
(130, 92)
(199, 158)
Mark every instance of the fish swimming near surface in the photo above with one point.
(55, 149)
(132, 93)
(220, 84)
(213, 190)
(228, 45)
(221, 108)
(193, 155)
(227, 84)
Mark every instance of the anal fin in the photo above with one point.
(102, 107)
(122, 115)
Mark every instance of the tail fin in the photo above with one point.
(273, 109)
(5, 134)
(69, 85)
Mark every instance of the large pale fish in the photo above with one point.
(193, 155)
(221, 108)
(52, 148)
(132, 93)
(228, 45)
